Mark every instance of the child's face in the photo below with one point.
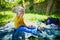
(21, 13)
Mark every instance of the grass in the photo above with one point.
(8, 16)
(37, 16)
(5, 17)
(34, 17)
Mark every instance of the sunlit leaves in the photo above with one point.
(38, 1)
(8, 3)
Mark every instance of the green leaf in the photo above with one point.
(38, 1)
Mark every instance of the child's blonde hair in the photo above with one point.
(18, 9)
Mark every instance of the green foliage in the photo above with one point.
(8, 3)
(38, 1)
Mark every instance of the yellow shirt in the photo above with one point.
(18, 21)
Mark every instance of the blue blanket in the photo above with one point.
(41, 33)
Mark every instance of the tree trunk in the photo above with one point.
(57, 6)
(49, 6)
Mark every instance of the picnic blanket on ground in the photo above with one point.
(41, 33)
(31, 31)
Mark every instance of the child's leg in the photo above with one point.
(18, 35)
(20, 32)
(28, 30)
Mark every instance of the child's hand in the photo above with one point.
(28, 24)
(42, 26)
